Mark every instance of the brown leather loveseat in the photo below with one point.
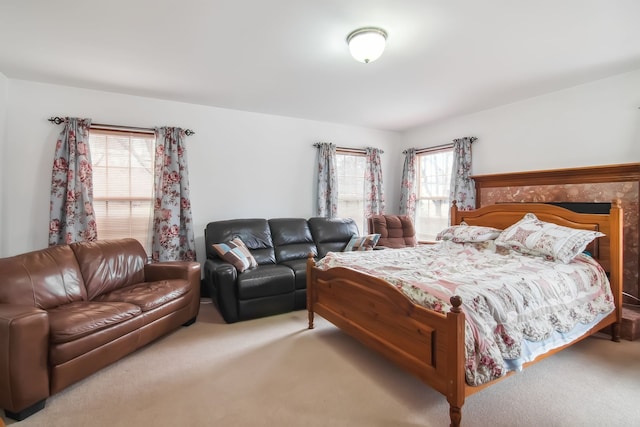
(70, 310)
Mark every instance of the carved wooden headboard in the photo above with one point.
(502, 215)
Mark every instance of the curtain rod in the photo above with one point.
(59, 120)
(350, 150)
(439, 147)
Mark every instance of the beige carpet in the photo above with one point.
(275, 372)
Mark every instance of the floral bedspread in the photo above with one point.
(507, 297)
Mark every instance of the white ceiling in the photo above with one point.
(290, 58)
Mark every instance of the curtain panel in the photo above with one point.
(463, 187)
(374, 191)
(327, 181)
(71, 215)
(172, 229)
(408, 194)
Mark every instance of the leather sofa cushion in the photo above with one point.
(60, 353)
(292, 239)
(78, 319)
(299, 267)
(43, 279)
(148, 295)
(266, 280)
(110, 264)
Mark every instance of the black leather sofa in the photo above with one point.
(281, 247)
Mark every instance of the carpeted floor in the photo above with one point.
(275, 372)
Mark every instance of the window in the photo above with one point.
(123, 184)
(350, 168)
(433, 184)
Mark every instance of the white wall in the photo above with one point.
(240, 164)
(587, 125)
(254, 165)
(4, 82)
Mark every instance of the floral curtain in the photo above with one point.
(71, 216)
(374, 193)
(463, 187)
(327, 180)
(408, 185)
(172, 229)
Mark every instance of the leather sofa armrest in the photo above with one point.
(186, 270)
(24, 373)
(220, 278)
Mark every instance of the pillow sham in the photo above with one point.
(362, 243)
(555, 242)
(236, 253)
(465, 233)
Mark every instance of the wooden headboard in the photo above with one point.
(607, 250)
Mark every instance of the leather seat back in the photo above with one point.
(44, 279)
(292, 239)
(332, 234)
(107, 265)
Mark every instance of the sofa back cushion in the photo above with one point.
(107, 265)
(253, 232)
(332, 234)
(44, 279)
(292, 238)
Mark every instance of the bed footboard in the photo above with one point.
(427, 344)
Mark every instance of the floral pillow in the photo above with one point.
(465, 233)
(362, 243)
(554, 242)
(236, 253)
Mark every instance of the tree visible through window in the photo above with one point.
(434, 181)
(123, 184)
(350, 169)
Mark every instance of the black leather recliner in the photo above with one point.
(281, 247)
(292, 242)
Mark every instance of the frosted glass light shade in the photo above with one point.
(367, 44)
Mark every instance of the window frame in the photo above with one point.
(360, 220)
(427, 226)
(134, 223)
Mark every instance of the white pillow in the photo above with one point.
(465, 233)
(555, 242)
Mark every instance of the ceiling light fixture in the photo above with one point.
(367, 44)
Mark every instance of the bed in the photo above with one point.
(431, 344)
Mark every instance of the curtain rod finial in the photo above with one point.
(57, 120)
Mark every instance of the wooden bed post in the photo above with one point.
(310, 289)
(454, 212)
(456, 361)
(616, 268)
